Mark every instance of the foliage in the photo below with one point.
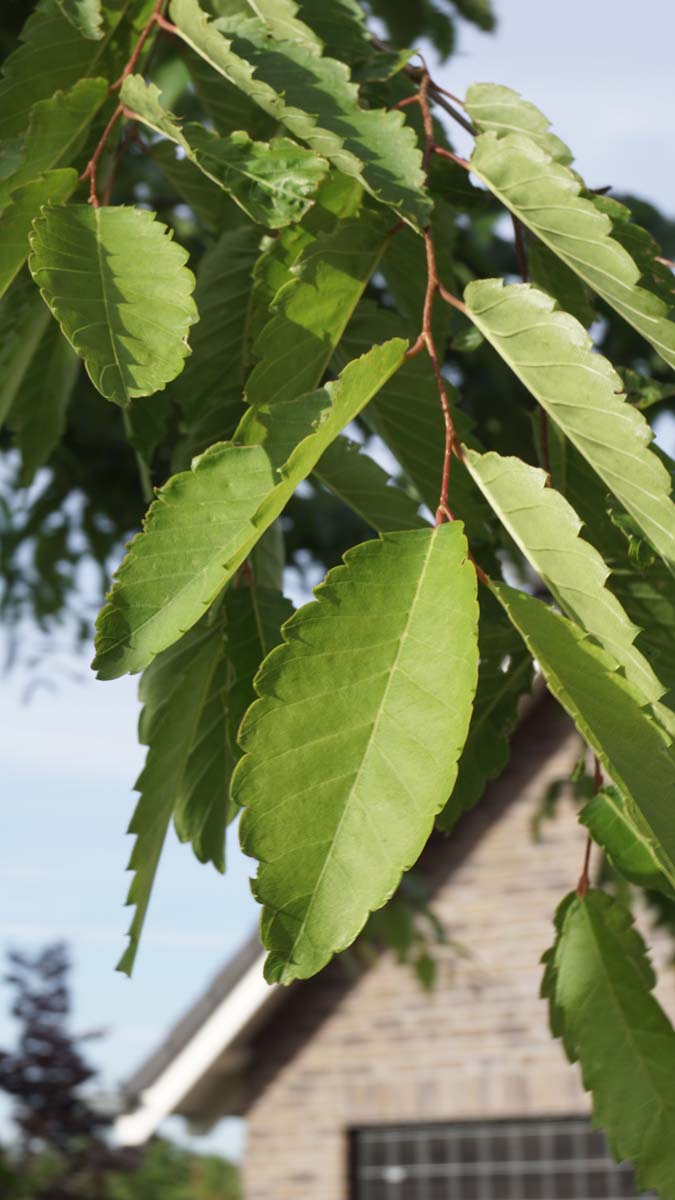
(249, 231)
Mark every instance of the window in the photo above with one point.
(487, 1160)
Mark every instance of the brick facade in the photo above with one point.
(377, 1049)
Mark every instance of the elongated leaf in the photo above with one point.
(213, 379)
(341, 27)
(364, 486)
(38, 414)
(281, 21)
(54, 134)
(17, 218)
(339, 198)
(313, 308)
(504, 677)
(85, 16)
(551, 275)
(500, 110)
(386, 683)
(23, 321)
(187, 769)
(255, 615)
(600, 980)
(546, 529)
(553, 356)
(607, 710)
(210, 205)
(544, 195)
(205, 521)
(615, 825)
(273, 182)
(226, 107)
(118, 286)
(53, 55)
(315, 99)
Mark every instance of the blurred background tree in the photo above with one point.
(63, 1149)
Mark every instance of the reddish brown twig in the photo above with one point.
(443, 153)
(92, 166)
(156, 19)
(425, 341)
(584, 879)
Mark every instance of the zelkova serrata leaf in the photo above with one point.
(599, 982)
(547, 530)
(615, 824)
(55, 132)
(273, 182)
(205, 521)
(501, 110)
(609, 712)
(579, 389)
(54, 187)
(118, 286)
(187, 767)
(310, 311)
(544, 195)
(314, 98)
(85, 16)
(352, 748)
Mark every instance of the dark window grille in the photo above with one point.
(552, 1159)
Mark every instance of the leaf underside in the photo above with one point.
(599, 982)
(385, 684)
(128, 323)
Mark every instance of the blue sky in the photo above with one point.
(604, 76)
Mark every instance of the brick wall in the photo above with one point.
(341, 1053)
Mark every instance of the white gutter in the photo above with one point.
(194, 1060)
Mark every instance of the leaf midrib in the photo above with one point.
(366, 753)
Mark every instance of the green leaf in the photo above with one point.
(386, 681)
(504, 677)
(23, 321)
(364, 486)
(544, 195)
(38, 413)
(85, 16)
(553, 356)
(274, 183)
(225, 106)
(255, 615)
(315, 99)
(281, 22)
(210, 205)
(55, 132)
(17, 218)
(500, 110)
(188, 764)
(204, 522)
(341, 26)
(313, 308)
(608, 711)
(53, 55)
(213, 380)
(616, 826)
(602, 982)
(551, 275)
(117, 283)
(546, 529)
